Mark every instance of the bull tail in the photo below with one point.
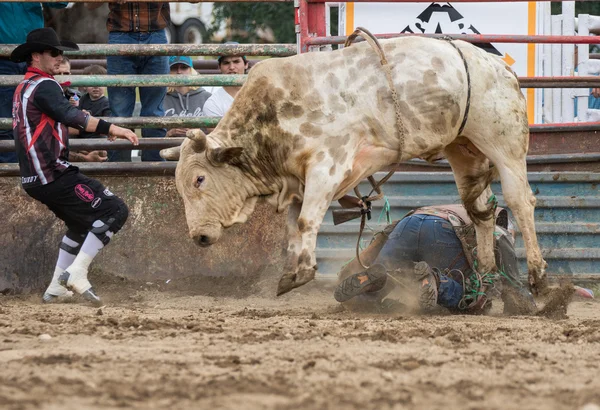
(475, 186)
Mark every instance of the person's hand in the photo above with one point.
(74, 102)
(96, 156)
(596, 92)
(89, 156)
(117, 132)
(176, 132)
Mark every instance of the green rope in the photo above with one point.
(386, 210)
(494, 201)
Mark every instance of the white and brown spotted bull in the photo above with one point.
(303, 130)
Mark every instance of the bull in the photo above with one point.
(303, 130)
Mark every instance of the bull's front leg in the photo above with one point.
(301, 260)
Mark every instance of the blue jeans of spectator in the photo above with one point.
(431, 239)
(6, 98)
(122, 99)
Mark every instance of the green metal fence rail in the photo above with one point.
(139, 80)
(238, 80)
(103, 50)
(168, 168)
(148, 122)
(211, 122)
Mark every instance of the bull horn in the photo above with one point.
(198, 140)
(171, 154)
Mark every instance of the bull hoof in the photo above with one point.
(294, 280)
(538, 283)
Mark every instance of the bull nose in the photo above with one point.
(203, 240)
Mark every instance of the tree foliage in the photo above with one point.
(581, 7)
(245, 21)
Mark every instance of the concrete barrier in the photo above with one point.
(154, 244)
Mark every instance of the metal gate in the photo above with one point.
(567, 217)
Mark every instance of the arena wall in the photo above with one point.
(154, 244)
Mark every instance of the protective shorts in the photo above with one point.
(79, 201)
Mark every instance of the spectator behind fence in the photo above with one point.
(71, 94)
(594, 99)
(220, 102)
(137, 23)
(95, 103)
(594, 96)
(183, 101)
(16, 20)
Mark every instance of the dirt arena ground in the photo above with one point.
(156, 347)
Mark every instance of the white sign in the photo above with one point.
(457, 18)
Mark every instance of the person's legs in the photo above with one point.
(121, 99)
(429, 240)
(6, 97)
(152, 97)
(85, 205)
(111, 215)
(440, 248)
(75, 275)
(69, 247)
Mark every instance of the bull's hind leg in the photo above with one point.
(509, 158)
(498, 127)
(470, 168)
(521, 201)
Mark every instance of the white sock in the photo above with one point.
(80, 266)
(64, 260)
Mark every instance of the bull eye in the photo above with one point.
(199, 181)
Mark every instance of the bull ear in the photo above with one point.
(225, 155)
(171, 154)
(198, 140)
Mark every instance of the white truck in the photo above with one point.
(189, 22)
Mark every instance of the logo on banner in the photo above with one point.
(444, 18)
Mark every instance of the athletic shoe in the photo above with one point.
(91, 296)
(80, 285)
(50, 298)
(428, 288)
(371, 280)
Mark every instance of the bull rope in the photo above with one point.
(365, 201)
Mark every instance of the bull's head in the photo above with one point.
(215, 193)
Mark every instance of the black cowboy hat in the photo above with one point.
(39, 40)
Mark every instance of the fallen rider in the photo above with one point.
(431, 254)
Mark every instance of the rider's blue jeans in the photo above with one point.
(433, 240)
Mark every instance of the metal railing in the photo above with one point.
(103, 50)
(238, 80)
(471, 38)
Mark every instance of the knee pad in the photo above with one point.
(73, 243)
(102, 230)
(120, 217)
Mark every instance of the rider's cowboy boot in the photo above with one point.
(371, 280)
